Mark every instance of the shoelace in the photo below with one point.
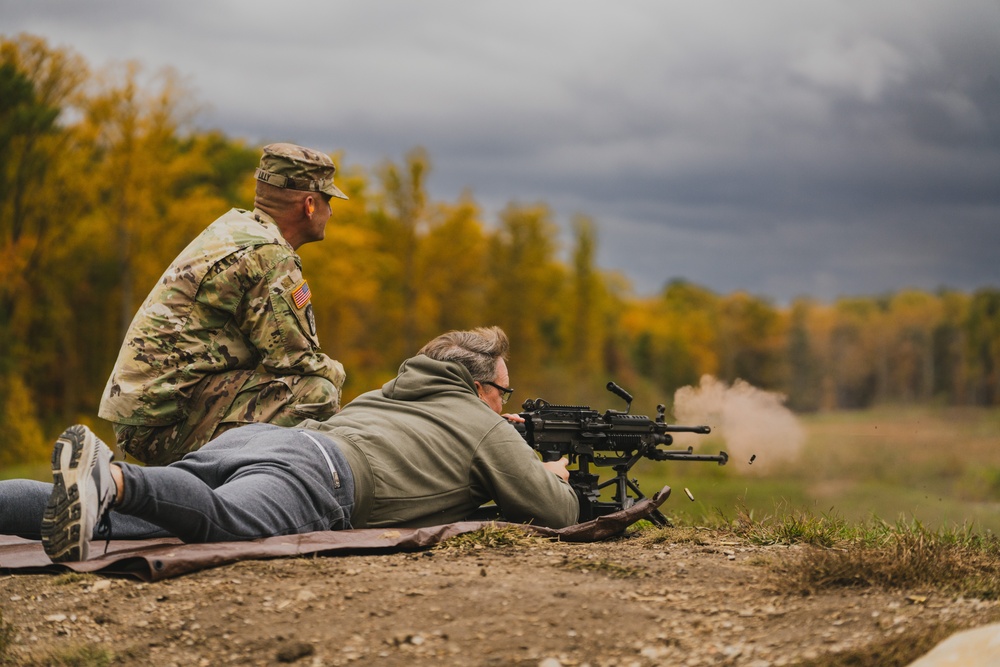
(104, 521)
(104, 526)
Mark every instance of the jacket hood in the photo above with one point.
(421, 376)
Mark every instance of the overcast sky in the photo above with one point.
(782, 148)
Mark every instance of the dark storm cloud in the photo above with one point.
(779, 147)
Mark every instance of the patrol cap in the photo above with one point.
(298, 168)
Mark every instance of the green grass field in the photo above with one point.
(938, 466)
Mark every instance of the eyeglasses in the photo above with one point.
(505, 392)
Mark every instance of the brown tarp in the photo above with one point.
(162, 558)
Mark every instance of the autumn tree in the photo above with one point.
(804, 384)
(528, 287)
(36, 85)
(676, 341)
(101, 188)
(399, 220)
(856, 361)
(105, 179)
(142, 172)
(910, 323)
(751, 337)
(585, 330)
(452, 272)
(982, 339)
(948, 343)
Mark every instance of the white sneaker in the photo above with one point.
(82, 494)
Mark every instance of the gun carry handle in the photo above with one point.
(619, 392)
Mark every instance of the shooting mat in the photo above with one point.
(162, 558)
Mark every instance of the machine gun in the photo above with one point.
(614, 439)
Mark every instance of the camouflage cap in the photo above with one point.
(298, 168)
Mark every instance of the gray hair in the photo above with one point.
(478, 350)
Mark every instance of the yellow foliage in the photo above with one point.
(23, 439)
(103, 201)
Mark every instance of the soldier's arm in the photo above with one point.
(277, 316)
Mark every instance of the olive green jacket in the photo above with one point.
(426, 450)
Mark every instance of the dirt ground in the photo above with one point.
(629, 601)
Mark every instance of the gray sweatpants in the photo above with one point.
(258, 480)
(22, 505)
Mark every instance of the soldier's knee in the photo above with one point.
(311, 389)
(152, 445)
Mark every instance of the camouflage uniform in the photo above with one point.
(228, 335)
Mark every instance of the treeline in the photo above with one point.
(103, 181)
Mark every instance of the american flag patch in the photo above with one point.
(301, 294)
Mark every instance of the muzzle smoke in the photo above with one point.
(752, 422)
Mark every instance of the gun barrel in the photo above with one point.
(673, 428)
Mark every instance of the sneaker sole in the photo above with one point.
(62, 527)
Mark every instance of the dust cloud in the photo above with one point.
(752, 422)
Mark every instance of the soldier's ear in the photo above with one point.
(310, 206)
